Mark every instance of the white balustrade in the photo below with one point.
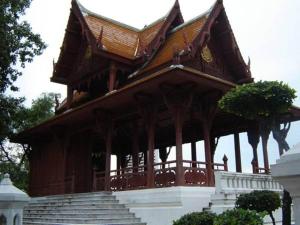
(229, 183)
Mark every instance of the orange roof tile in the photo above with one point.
(115, 38)
(176, 40)
(148, 34)
(121, 39)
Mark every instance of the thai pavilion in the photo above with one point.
(133, 92)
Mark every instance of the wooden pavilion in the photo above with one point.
(131, 92)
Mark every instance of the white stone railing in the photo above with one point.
(227, 182)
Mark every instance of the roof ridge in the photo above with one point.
(181, 26)
(86, 12)
(153, 23)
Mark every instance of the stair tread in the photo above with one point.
(86, 208)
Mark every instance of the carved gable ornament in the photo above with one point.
(206, 54)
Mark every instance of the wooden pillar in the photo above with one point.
(206, 136)
(253, 140)
(112, 77)
(69, 95)
(194, 151)
(178, 134)
(264, 139)
(238, 162)
(148, 111)
(178, 99)
(150, 153)
(135, 148)
(118, 164)
(108, 157)
(104, 124)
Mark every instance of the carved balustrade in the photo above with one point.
(132, 178)
(241, 182)
(128, 178)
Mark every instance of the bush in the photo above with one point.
(196, 218)
(239, 217)
(260, 201)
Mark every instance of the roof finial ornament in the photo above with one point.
(53, 64)
(176, 55)
(176, 4)
(186, 43)
(99, 40)
(249, 66)
(57, 103)
(249, 63)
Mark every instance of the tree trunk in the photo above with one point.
(286, 208)
(280, 136)
(272, 218)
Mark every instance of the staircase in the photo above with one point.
(89, 208)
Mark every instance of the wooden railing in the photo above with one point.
(128, 178)
(165, 174)
(195, 174)
(98, 180)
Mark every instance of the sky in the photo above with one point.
(266, 31)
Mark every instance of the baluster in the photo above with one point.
(225, 160)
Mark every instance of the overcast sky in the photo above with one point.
(266, 31)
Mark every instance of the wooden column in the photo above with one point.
(69, 95)
(118, 163)
(178, 100)
(238, 162)
(194, 153)
(150, 153)
(148, 111)
(206, 136)
(178, 119)
(104, 124)
(112, 77)
(207, 108)
(135, 148)
(264, 138)
(253, 140)
(108, 143)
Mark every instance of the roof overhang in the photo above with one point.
(124, 97)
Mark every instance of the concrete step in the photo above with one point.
(80, 210)
(74, 201)
(89, 208)
(73, 196)
(80, 215)
(47, 223)
(78, 206)
(80, 220)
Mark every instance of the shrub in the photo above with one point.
(260, 201)
(196, 218)
(239, 217)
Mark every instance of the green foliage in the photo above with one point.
(260, 201)
(15, 117)
(196, 218)
(18, 44)
(239, 217)
(258, 100)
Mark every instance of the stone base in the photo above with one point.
(161, 206)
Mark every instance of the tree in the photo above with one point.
(16, 118)
(18, 44)
(260, 201)
(238, 217)
(266, 102)
(199, 218)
